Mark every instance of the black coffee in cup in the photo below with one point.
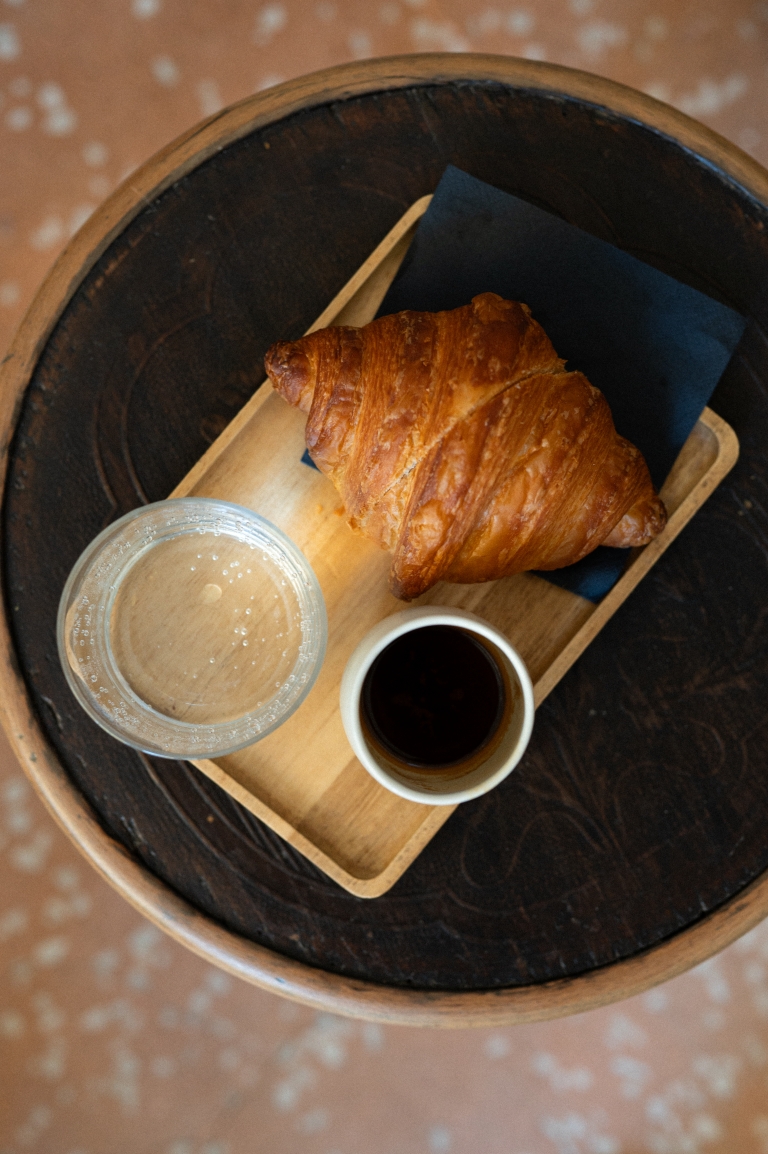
(435, 699)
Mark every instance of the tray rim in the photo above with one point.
(436, 816)
(258, 964)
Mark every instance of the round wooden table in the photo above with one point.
(631, 842)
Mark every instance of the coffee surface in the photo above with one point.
(433, 697)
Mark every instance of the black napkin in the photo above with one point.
(655, 348)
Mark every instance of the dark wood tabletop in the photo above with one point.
(640, 807)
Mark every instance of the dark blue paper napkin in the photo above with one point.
(655, 348)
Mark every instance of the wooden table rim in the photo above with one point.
(243, 958)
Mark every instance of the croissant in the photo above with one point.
(458, 441)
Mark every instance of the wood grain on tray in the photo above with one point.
(302, 780)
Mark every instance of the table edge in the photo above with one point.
(147, 893)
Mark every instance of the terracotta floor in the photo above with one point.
(114, 1040)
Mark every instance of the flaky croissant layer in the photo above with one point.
(458, 441)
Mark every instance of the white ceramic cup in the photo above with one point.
(427, 786)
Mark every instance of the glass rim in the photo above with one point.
(221, 737)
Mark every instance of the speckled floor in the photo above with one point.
(115, 1040)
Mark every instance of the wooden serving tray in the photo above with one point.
(302, 780)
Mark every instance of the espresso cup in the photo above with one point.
(504, 692)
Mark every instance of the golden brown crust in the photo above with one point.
(458, 441)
